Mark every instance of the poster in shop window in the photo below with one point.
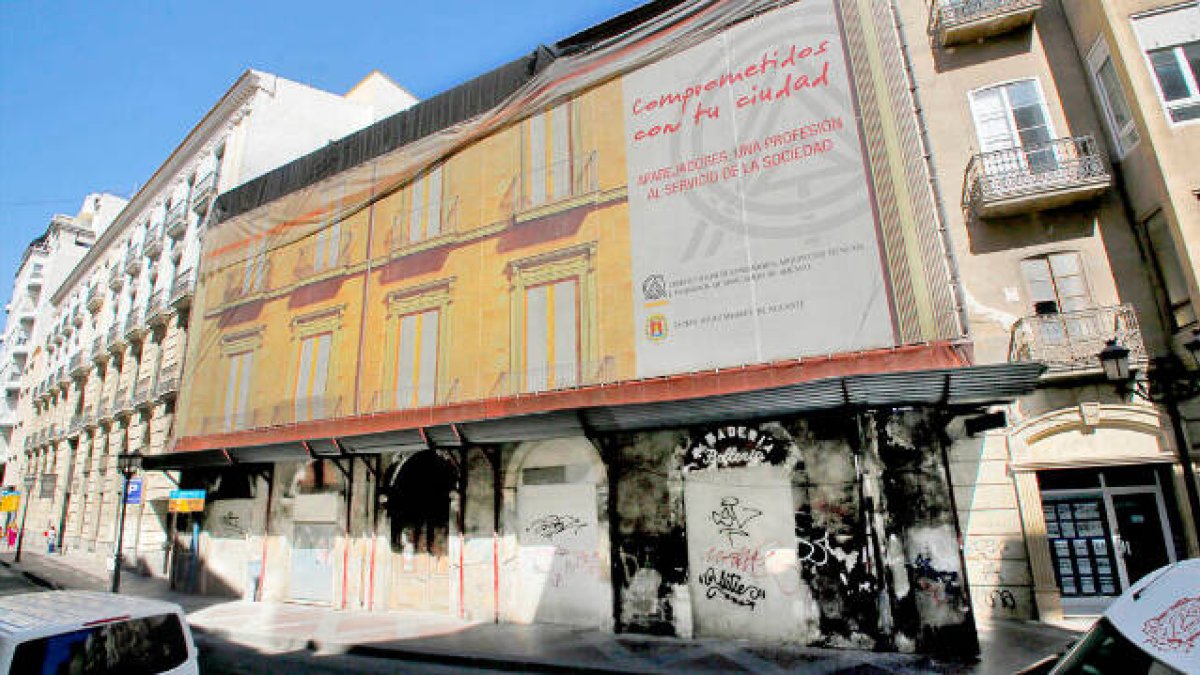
(752, 223)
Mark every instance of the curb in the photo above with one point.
(35, 579)
(472, 660)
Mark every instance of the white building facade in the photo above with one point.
(114, 341)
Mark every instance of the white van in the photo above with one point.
(78, 632)
(1153, 629)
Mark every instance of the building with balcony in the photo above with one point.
(30, 318)
(511, 354)
(1059, 138)
(119, 314)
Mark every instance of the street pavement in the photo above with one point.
(248, 637)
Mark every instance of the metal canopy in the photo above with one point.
(965, 387)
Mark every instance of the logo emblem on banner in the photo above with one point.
(656, 327)
(654, 287)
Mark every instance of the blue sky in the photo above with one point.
(95, 95)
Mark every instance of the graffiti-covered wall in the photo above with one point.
(834, 530)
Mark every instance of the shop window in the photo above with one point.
(1171, 40)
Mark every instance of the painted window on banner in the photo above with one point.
(552, 336)
(547, 164)
(237, 390)
(416, 372)
(328, 248)
(312, 377)
(423, 218)
(254, 274)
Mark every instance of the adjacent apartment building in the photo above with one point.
(108, 374)
(1060, 135)
(46, 261)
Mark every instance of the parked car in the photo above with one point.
(1153, 629)
(84, 632)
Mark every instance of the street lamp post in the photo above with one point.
(29, 481)
(127, 463)
(1170, 381)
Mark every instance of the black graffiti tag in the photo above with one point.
(733, 517)
(730, 586)
(551, 525)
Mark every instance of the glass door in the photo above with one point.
(1142, 545)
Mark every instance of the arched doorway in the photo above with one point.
(418, 493)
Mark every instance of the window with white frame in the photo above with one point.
(1171, 40)
(1111, 93)
(1059, 293)
(1013, 115)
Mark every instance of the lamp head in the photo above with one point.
(1114, 358)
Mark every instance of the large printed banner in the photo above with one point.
(753, 232)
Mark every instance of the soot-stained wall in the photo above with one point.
(834, 530)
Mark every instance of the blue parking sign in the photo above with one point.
(133, 494)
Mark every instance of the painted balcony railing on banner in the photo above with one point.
(413, 231)
(183, 287)
(545, 186)
(1070, 342)
(958, 21)
(1036, 177)
(247, 279)
(441, 392)
(555, 376)
(306, 410)
(318, 255)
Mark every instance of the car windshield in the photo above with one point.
(144, 646)
(1104, 651)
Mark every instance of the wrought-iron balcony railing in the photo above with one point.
(99, 348)
(183, 287)
(954, 22)
(115, 278)
(176, 221)
(133, 263)
(135, 323)
(1069, 343)
(123, 400)
(115, 337)
(1037, 177)
(78, 365)
(166, 386)
(203, 190)
(75, 425)
(90, 416)
(95, 299)
(159, 308)
(153, 246)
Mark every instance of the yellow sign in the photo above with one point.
(9, 503)
(186, 501)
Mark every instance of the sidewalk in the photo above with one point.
(274, 627)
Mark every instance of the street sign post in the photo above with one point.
(133, 494)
